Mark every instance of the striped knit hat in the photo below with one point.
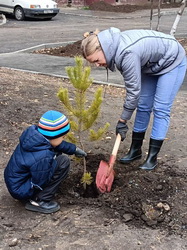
(53, 124)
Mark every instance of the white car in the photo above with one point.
(42, 9)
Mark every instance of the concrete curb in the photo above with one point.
(63, 77)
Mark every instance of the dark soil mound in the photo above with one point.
(71, 50)
(127, 8)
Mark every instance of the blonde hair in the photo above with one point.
(90, 43)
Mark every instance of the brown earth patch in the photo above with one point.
(128, 8)
(138, 199)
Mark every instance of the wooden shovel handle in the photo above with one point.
(116, 145)
(115, 150)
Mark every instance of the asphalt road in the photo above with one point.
(69, 25)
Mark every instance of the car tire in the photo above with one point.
(19, 13)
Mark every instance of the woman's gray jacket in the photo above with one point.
(137, 52)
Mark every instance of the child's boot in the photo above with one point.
(45, 207)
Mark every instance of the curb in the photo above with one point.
(63, 77)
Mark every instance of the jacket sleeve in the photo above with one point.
(66, 147)
(131, 71)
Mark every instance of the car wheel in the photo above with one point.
(19, 14)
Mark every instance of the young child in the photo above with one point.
(37, 166)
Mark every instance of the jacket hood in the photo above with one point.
(109, 42)
(31, 140)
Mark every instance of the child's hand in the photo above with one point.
(80, 153)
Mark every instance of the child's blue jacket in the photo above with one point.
(32, 164)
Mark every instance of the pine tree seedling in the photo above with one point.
(82, 113)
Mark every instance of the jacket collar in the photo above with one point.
(109, 43)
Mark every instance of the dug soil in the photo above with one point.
(124, 8)
(128, 8)
(147, 207)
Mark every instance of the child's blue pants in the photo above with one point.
(60, 174)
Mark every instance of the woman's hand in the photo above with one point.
(122, 128)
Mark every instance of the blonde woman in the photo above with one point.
(153, 65)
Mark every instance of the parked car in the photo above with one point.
(42, 9)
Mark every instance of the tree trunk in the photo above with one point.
(177, 19)
(159, 15)
(151, 14)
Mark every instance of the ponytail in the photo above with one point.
(90, 43)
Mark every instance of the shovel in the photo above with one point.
(105, 172)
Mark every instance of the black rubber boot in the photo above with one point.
(151, 161)
(135, 151)
(42, 206)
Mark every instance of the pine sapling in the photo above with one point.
(82, 112)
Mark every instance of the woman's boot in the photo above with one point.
(151, 161)
(135, 151)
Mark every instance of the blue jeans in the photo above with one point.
(157, 96)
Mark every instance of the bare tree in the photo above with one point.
(159, 15)
(151, 14)
(177, 19)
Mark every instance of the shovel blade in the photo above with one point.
(104, 182)
(109, 181)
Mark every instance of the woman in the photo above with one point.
(153, 66)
